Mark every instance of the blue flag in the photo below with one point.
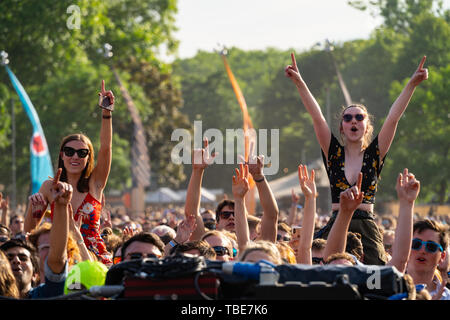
(41, 164)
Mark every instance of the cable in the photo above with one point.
(197, 286)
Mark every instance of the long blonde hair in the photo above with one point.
(367, 138)
(8, 286)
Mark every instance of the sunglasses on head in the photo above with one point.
(348, 117)
(221, 251)
(430, 246)
(226, 214)
(283, 238)
(69, 152)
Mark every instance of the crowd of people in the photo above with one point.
(69, 222)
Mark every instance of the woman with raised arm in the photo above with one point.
(358, 153)
(76, 166)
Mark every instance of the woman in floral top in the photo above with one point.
(357, 153)
(76, 165)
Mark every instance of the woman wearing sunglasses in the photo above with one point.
(358, 153)
(88, 179)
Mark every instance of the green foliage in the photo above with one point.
(61, 69)
(374, 71)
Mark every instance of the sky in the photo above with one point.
(258, 24)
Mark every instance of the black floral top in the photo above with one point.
(371, 169)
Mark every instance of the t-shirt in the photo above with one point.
(53, 285)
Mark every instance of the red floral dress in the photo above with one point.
(90, 211)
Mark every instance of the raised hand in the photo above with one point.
(4, 203)
(240, 184)
(185, 229)
(307, 183)
(420, 74)
(351, 198)
(201, 157)
(38, 205)
(407, 187)
(291, 71)
(60, 192)
(295, 197)
(255, 163)
(103, 93)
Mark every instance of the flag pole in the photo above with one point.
(250, 202)
(13, 152)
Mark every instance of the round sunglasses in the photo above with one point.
(69, 152)
(348, 117)
(430, 246)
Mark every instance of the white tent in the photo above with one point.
(206, 195)
(163, 195)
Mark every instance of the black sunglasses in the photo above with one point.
(430, 246)
(316, 260)
(348, 117)
(221, 251)
(226, 214)
(138, 256)
(283, 238)
(69, 152)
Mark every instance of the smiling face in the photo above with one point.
(73, 162)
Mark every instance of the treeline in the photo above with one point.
(375, 71)
(61, 69)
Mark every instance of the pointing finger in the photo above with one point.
(58, 175)
(358, 184)
(294, 63)
(103, 86)
(422, 62)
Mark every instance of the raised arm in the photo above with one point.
(293, 209)
(349, 201)
(74, 229)
(37, 205)
(61, 194)
(321, 127)
(408, 189)
(269, 220)
(309, 190)
(387, 132)
(200, 161)
(184, 232)
(4, 206)
(240, 188)
(101, 171)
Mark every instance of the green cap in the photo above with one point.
(85, 274)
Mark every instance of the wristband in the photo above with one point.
(107, 117)
(260, 180)
(173, 243)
